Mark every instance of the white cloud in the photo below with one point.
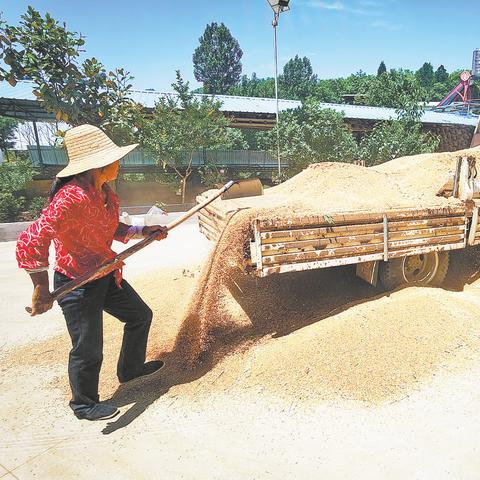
(336, 6)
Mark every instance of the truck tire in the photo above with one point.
(424, 269)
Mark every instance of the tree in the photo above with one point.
(13, 180)
(381, 68)
(441, 75)
(311, 134)
(181, 125)
(42, 50)
(425, 75)
(298, 79)
(8, 127)
(254, 87)
(395, 139)
(397, 89)
(216, 61)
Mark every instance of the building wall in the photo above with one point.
(452, 137)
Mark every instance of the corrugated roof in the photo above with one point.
(255, 105)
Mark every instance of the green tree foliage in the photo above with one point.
(42, 50)
(332, 90)
(438, 92)
(216, 61)
(8, 127)
(185, 122)
(395, 139)
(310, 134)
(298, 79)
(13, 180)
(425, 75)
(441, 75)
(397, 89)
(382, 68)
(254, 87)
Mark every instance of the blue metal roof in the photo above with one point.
(230, 103)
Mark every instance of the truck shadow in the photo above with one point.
(274, 306)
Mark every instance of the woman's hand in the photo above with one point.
(150, 230)
(41, 300)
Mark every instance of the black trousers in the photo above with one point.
(83, 310)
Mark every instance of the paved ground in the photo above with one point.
(231, 433)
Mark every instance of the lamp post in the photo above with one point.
(278, 6)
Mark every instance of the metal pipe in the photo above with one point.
(275, 24)
(37, 141)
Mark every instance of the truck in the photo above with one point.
(394, 246)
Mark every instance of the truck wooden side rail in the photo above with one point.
(342, 239)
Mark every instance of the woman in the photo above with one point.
(82, 220)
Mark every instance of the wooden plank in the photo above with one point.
(205, 221)
(425, 241)
(296, 267)
(428, 232)
(320, 254)
(349, 240)
(353, 240)
(208, 231)
(214, 212)
(426, 249)
(326, 232)
(361, 217)
(357, 250)
(208, 220)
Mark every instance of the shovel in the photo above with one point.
(60, 292)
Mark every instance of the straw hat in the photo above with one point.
(88, 147)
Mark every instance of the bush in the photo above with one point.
(13, 180)
(15, 175)
(11, 206)
(36, 205)
(391, 140)
(211, 175)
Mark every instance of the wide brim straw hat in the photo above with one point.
(88, 147)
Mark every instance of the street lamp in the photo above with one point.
(278, 6)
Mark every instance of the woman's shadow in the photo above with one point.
(275, 306)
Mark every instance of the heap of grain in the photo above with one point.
(321, 189)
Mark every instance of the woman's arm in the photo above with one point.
(124, 232)
(41, 297)
(34, 242)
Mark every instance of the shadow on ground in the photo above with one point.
(275, 306)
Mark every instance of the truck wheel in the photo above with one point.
(424, 269)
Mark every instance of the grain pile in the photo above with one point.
(321, 189)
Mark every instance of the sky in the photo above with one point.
(153, 38)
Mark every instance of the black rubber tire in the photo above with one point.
(392, 273)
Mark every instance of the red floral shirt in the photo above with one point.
(82, 226)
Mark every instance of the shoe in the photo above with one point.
(98, 411)
(148, 369)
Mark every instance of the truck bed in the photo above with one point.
(278, 245)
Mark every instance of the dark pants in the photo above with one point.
(83, 310)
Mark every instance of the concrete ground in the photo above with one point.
(233, 433)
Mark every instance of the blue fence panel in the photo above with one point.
(219, 158)
(50, 155)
